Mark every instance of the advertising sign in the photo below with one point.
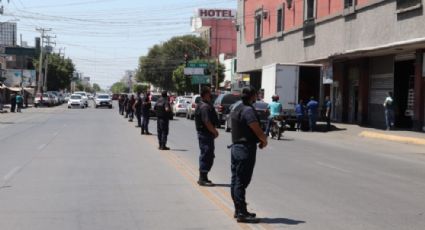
(217, 13)
(17, 77)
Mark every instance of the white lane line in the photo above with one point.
(41, 147)
(333, 167)
(11, 173)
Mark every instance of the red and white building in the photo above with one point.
(368, 47)
(217, 27)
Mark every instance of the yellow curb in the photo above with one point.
(388, 137)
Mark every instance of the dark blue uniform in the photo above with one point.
(205, 113)
(163, 120)
(138, 111)
(146, 107)
(244, 151)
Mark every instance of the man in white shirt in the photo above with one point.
(389, 111)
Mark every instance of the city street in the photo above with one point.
(90, 169)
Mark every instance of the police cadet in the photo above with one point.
(246, 133)
(163, 110)
(206, 121)
(137, 108)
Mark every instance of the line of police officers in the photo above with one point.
(246, 134)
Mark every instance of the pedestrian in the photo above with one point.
(328, 109)
(12, 103)
(389, 110)
(206, 120)
(299, 113)
(137, 108)
(246, 134)
(130, 110)
(163, 109)
(121, 104)
(126, 102)
(19, 102)
(274, 108)
(312, 106)
(146, 107)
(1, 99)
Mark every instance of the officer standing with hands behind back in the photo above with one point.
(246, 134)
(163, 110)
(206, 120)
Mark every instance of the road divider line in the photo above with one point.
(333, 167)
(41, 147)
(216, 195)
(11, 173)
(395, 138)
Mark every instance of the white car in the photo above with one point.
(180, 107)
(84, 97)
(103, 100)
(76, 100)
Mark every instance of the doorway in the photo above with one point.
(353, 95)
(404, 85)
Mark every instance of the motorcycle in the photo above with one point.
(278, 127)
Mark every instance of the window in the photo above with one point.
(258, 24)
(280, 19)
(309, 9)
(408, 4)
(348, 3)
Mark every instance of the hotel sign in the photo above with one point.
(217, 13)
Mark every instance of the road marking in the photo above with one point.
(333, 167)
(216, 195)
(11, 173)
(41, 147)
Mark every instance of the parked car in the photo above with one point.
(76, 100)
(260, 109)
(192, 106)
(180, 107)
(103, 100)
(222, 105)
(59, 97)
(84, 97)
(45, 99)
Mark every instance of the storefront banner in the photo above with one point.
(18, 78)
(327, 73)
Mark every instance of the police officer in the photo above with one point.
(146, 107)
(206, 120)
(163, 110)
(246, 134)
(137, 108)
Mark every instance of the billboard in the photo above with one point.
(16, 77)
(217, 13)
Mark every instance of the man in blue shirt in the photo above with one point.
(275, 108)
(299, 112)
(328, 109)
(312, 106)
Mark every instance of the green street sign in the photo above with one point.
(197, 65)
(200, 79)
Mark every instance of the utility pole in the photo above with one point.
(39, 83)
(48, 45)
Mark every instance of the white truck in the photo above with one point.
(292, 82)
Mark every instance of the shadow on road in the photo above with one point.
(222, 185)
(180, 150)
(281, 221)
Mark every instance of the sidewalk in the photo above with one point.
(401, 136)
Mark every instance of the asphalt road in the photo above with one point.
(91, 169)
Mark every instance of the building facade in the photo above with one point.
(366, 47)
(217, 27)
(8, 34)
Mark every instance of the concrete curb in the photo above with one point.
(395, 138)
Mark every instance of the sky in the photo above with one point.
(104, 38)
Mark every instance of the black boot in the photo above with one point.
(203, 180)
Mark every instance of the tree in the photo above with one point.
(119, 87)
(60, 72)
(96, 87)
(158, 66)
(140, 88)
